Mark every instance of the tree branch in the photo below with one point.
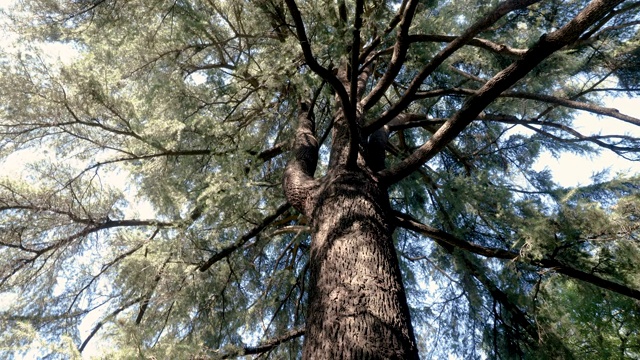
(547, 45)
(225, 252)
(573, 104)
(313, 64)
(477, 42)
(355, 53)
(595, 109)
(447, 240)
(406, 99)
(595, 139)
(397, 59)
(265, 346)
(102, 322)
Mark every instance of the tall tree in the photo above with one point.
(404, 135)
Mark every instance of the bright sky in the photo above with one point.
(571, 170)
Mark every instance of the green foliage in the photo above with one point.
(160, 137)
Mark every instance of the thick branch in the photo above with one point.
(298, 175)
(488, 20)
(547, 45)
(447, 240)
(272, 152)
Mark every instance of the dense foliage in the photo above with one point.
(151, 221)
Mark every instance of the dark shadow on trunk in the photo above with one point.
(358, 307)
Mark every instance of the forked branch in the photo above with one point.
(408, 97)
(324, 73)
(547, 45)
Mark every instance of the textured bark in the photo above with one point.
(357, 302)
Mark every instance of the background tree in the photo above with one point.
(406, 125)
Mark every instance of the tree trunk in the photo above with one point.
(357, 302)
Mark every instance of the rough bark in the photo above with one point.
(357, 302)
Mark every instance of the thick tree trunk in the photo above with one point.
(357, 302)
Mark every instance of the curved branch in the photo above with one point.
(313, 64)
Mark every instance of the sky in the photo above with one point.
(573, 170)
(567, 169)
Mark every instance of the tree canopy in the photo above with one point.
(197, 254)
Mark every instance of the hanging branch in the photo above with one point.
(445, 239)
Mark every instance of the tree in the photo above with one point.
(403, 135)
